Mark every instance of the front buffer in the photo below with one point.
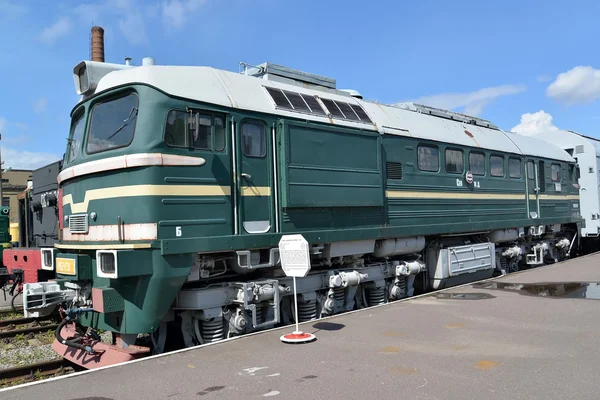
(125, 292)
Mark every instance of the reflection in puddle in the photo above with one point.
(463, 296)
(571, 290)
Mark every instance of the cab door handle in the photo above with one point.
(247, 176)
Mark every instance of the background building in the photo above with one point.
(14, 181)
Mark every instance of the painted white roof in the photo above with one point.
(569, 140)
(236, 90)
(539, 147)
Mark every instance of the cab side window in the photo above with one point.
(202, 131)
(254, 140)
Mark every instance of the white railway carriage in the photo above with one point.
(586, 151)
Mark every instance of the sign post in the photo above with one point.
(295, 262)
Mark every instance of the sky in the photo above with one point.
(527, 66)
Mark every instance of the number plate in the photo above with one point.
(65, 266)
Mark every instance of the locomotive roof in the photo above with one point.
(236, 90)
(570, 139)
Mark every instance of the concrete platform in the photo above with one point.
(472, 342)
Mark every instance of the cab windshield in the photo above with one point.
(112, 123)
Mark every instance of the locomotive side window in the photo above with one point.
(555, 172)
(254, 142)
(454, 161)
(477, 163)
(497, 165)
(175, 132)
(112, 123)
(530, 169)
(200, 131)
(514, 167)
(428, 158)
(201, 139)
(219, 134)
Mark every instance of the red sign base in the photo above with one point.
(297, 337)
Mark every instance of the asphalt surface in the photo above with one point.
(471, 342)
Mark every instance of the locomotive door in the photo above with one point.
(533, 189)
(254, 176)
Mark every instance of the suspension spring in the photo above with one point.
(213, 330)
(307, 311)
(259, 315)
(339, 296)
(376, 296)
(401, 282)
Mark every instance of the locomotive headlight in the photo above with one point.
(106, 264)
(48, 259)
(87, 75)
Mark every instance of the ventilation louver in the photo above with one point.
(393, 170)
(307, 104)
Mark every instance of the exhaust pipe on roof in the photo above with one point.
(97, 44)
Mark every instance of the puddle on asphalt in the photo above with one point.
(570, 290)
(463, 296)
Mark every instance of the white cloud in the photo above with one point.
(534, 123)
(472, 103)
(544, 78)
(9, 10)
(579, 85)
(134, 29)
(176, 12)
(57, 30)
(21, 126)
(18, 159)
(133, 16)
(40, 105)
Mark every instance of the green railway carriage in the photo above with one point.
(179, 182)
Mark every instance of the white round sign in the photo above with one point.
(294, 254)
(469, 177)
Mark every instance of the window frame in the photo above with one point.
(532, 175)
(264, 131)
(552, 172)
(501, 156)
(437, 149)
(462, 159)
(482, 154)
(520, 167)
(79, 115)
(114, 96)
(202, 112)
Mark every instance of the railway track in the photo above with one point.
(31, 372)
(16, 326)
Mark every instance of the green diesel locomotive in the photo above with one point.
(178, 183)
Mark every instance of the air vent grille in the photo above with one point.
(394, 170)
(78, 223)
